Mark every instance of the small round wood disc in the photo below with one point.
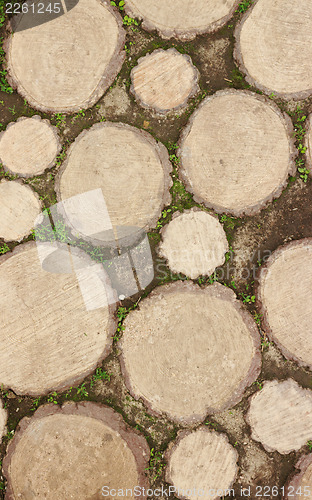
(201, 463)
(164, 80)
(280, 416)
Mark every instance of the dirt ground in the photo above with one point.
(251, 240)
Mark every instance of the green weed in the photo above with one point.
(100, 375)
(156, 463)
(4, 248)
(60, 120)
(82, 391)
(299, 134)
(51, 398)
(35, 404)
(129, 21)
(244, 5)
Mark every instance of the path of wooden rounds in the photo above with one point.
(19, 208)
(73, 452)
(189, 351)
(284, 295)
(29, 146)
(3, 419)
(183, 19)
(48, 340)
(66, 64)
(228, 150)
(270, 41)
(164, 80)
(130, 167)
(203, 460)
(300, 485)
(280, 416)
(194, 243)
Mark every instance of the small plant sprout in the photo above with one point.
(35, 404)
(51, 398)
(244, 5)
(156, 463)
(82, 391)
(100, 375)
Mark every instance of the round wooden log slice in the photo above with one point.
(183, 19)
(228, 148)
(66, 64)
(130, 167)
(201, 464)
(77, 451)
(19, 208)
(48, 340)
(194, 243)
(284, 296)
(270, 41)
(3, 419)
(189, 351)
(280, 416)
(29, 146)
(301, 484)
(164, 80)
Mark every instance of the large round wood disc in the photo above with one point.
(29, 146)
(19, 209)
(301, 484)
(77, 451)
(183, 19)
(229, 148)
(284, 294)
(127, 164)
(164, 80)
(194, 243)
(67, 63)
(201, 463)
(280, 416)
(173, 343)
(48, 339)
(270, 42)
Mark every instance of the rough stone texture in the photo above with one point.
(74, 451)
(203, 460)
(194, 243)
(270, 42)
(66, 64)
(284, 297)
(3, 419)
(280, 416)
(127, 164)
(164, 80)
(183, 19)
(228, 148)
(173, 343)
(48, 341)
(19, 208)
(302, 482)
(29, 146)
